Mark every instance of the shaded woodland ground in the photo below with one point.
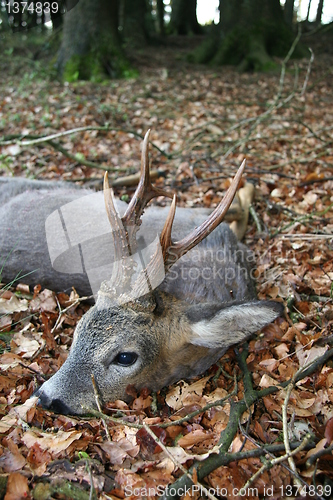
(204, 121)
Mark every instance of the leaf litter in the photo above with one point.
(197, 117)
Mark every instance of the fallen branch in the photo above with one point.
(236, 411)
(321, 453)
(34, 139)
(269, 464)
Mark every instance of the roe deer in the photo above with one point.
(162, 316)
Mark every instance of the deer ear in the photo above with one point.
(228, 325)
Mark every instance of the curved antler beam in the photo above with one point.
(174, 251)
(144, 192)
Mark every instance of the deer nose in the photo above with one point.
(54, 404)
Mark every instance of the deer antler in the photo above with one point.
(131, 220)
(125, 229)
(173, 251)
(145, 191)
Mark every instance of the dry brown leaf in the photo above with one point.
(267, 381)
(271, 405)
(329, 431)
(182, 456)
(290, 334)
(287, 369)
(281, 350)
(17, 414)
(216, 395)
(14, 304)
(129, 480)
(319, 447)
(115, 453)
(44, 301)
(5, 323)
(25, 344)
(17, 487)
(305, 357)
(270, 364)
(38, 459)
(141, 403)
(9, 360)
(12, 460)
(184, 395)
(53, 443)
(21, 287)
(192, 438)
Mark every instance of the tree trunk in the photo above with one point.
(91, 48)
(160, 17)
(194, 26)
(134, 28)
(319, 12)
(289, 11)
(228, 15)
(184, 17)
(250, 32)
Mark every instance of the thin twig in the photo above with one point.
(267, 452)
(213, 461)
(92, 491)
(313, 458)
(291, 462)
(306, 81)
(121, 421)
(277, 461)
(63, 311)
(175, 461)
(47, 138)
(98, 404)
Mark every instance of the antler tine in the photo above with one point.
(165, 238)
(144, 192)
(156, 264)
(176, 250)
(121, 244)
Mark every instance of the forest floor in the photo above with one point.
(204, 122)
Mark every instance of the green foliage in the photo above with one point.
(130, 73)
(29, 54)
(60, 489)
(5, 164)
(71, 72)
(3, 485)
(90, 67)
(5, 338)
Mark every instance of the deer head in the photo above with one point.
(149, 328)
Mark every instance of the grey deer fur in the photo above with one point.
(206, 303)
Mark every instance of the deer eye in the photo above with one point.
(126, 358)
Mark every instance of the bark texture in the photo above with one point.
(91, 47)
(249, 34)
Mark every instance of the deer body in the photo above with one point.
(151, 337)
(24, 207)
